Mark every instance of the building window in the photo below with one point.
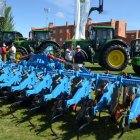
(132, 35)
(60, 31)
(67, 30)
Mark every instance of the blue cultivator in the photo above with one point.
(44, 78)
(133, 112)
(107, 97)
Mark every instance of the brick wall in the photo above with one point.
(62, 33)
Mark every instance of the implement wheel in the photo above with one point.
(115, 58)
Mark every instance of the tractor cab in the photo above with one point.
(98, 35)
(10, 36)
(135, 47)
(40, 35)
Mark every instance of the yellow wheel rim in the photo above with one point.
(18, 55)
(116, 58)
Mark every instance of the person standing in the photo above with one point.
(4, 52)
(79, 57)
(12, 52)
(72, 52)
(69, 58)
(69, 55)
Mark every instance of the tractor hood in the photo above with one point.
(83, 43)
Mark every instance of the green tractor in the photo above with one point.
(38, 41)
(135, 54)
(10, 36)
(101, 46)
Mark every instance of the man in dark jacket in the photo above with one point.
(79, 57)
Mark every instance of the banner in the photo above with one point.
(82, 11)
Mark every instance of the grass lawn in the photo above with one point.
(66, 126)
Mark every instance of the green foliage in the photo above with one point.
(8, 23)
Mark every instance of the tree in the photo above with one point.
(7, 22)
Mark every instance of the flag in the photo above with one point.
(82, 10)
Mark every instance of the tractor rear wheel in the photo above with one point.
(136, 69)
(56, 48)
(115, 58)
(20, 52)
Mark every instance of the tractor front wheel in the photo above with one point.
(115, 58)
(20, 52)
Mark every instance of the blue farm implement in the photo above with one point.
(44, 78)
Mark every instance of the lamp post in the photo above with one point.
(2, 13)
(46, 10)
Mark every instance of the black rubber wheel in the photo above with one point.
(136, 69)
(56, 48)
(115, 58)
(20, 52)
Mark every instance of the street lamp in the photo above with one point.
(47, 10)
(2, 13)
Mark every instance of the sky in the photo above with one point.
(38, 13)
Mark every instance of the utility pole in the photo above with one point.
(47, 11)
(2, 13)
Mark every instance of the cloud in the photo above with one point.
(64, 5)
(60, 15)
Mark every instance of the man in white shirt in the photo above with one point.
(12, 52)
(69, 57)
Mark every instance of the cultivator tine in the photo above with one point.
(124, 125)
(52, 120)
(81, 128)
(83, 120)
(57, 113)
(31, 112)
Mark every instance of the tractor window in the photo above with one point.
(104, 34)
(19, 36)
(91, 34)
(42, 35)
(8, 37)
(137, 46)
(138, 43)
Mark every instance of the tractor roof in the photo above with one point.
(106, 27)
(41, 30)
(11, 32)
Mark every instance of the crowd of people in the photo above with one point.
(72, 55)
(8, 52)
(76, 57)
